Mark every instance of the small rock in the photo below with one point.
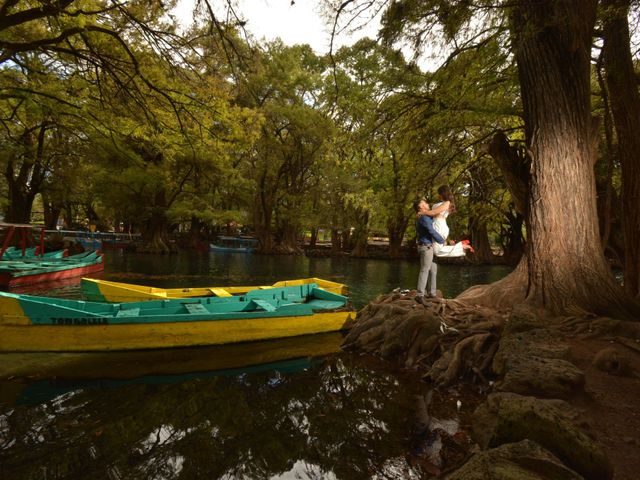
(612, 361)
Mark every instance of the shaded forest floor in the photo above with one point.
(611, 405)
(562, 390)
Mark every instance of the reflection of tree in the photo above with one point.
(337, 418)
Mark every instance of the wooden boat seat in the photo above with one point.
(220, 292)
(266, 306)
(195, 308)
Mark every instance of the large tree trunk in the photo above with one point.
(564, 268)
(20, 203)
(314, 237)
(396, 227)
(361, 236)
(263, 215)
(567, 270)
(625, 105)
(26, 183)
(196, 236)
(155, 236)
(288, 239)
(513, 241)
(336, 241)
(480, 240)
(51, 214)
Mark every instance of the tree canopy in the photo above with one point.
(117, 115)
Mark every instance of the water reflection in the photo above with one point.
(366, 278)
(334, 419)
(176, 414)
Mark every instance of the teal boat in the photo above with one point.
(13, 253)
(234, 244)
(29, 323)
(34, 270)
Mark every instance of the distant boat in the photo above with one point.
(12, 253)
(38, 324)
(37, 269)
(234, 244)
(89, 241)
(97, 240)
(105, 291)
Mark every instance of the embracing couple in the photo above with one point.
(432, 232)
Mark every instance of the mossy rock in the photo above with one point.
(522, 319)
(533, 343)
(536, 362)
(549, 377)
(524, 460)
(507, 418)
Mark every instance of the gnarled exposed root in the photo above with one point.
(447, 338)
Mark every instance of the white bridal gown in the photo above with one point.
(440, 226)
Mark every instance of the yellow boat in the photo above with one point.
(46, 324)
(114, 292)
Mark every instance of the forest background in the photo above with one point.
(116, 114)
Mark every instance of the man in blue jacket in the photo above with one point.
(426, 236)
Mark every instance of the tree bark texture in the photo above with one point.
(396, 228)
(155, 236)
(625, 106)
(514, 166)
(512, 239)
(361, 236)
(313, 238)
(566, 268)
(480, 240)
(25, 183)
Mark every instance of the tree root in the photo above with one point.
(447, 338)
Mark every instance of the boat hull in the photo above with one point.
(105, 291)
(8, 279)
(84, 338)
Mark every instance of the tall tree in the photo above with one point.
(552, 41)
(625, 106)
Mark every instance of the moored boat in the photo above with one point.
(37, 269)
(13, 253)
(97, 290)
(32, 324)
(234, 244)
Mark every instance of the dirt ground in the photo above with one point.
(611, 405)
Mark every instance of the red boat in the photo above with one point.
(30, 270)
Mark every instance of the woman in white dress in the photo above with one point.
(440, 211)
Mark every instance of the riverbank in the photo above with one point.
(560, 393)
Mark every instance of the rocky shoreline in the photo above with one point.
(527, 426)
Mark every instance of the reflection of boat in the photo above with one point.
(30, 324)
(30, 373)
(105, 291)
(133, 364)
(35, 270)
(234, 244)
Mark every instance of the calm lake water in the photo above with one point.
(288, 409)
